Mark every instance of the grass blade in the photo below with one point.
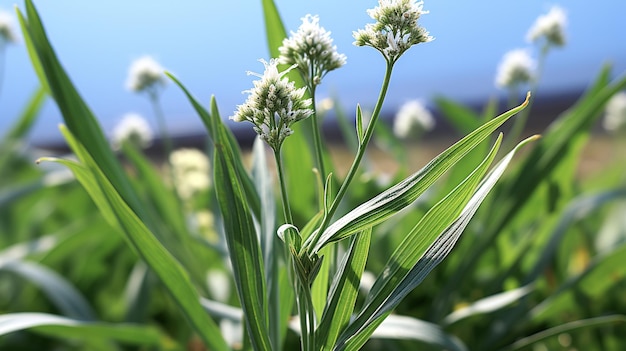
(404, 193)
(63, 294)
(121, 216)
(243, 243)
(67, 328)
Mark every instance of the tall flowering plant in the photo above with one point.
(286, 270)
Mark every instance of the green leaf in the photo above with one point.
(427, 245)
(66, 328)
(566, 328)
(243, 243)
(211, 122)
(63, 294)
(121, 216)
(343, 291)
(487, 305)
(407, 328)
(76, 114)
(27, 117)
(404, 193)
(274, 28)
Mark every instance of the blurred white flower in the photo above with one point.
(273, 105)
(395, 29)
(7, 31)
(133, 128)
(311, 49)
(549, 27)
(190, 171)
(516, 68)
(145, 74)
(615, 113)
(412, 119)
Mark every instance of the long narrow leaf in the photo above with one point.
(404, 193)
(171, 273)
(243, 244)
(61, 292)
(389, 290)
(77, 115)
(343, 291)
(67, 328)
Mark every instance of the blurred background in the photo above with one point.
(210, 45)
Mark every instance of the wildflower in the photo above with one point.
(190, 169)
(273, 105)
(395, 30)
(549, 27)
(132, 128)
(145, 74)
(311, 49)
(516, 68)
(7, 33)
(615, 113)
(412, 119)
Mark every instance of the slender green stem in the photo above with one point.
(363, 142)
(303, 291)
(317, 137)
(283, 187)
(160, 117)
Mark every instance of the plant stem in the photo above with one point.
(160, 117)
(357, 160)
(283, 187)
(317, 137)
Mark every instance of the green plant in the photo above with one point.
(309, 261)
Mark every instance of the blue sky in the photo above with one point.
(210, 45)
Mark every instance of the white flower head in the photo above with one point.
(191, 169)
(549, 27)
(273, 105)
(396, 28)
(145, 74)
(615, 113)
(133, 128)
(412, 119)
(311, 49)
(7, 31)
(517, 67)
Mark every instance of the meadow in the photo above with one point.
(492, 241)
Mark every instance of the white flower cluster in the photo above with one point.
(273, 105)
(412, 119)
(311, 49)
(133, 128)
(615, 113)
(549, 27)
(7, 33)
(145, 74)
(396, 28)
(516, 68)
(190, 169)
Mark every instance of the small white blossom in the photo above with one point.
(7, 31)
(412, 119)
(273, 105)
(133, 128)
(549, 27)
(145, 74)
(311, 49)
(615, 113)
(191, 169)
(396, 28)
(516, 68)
